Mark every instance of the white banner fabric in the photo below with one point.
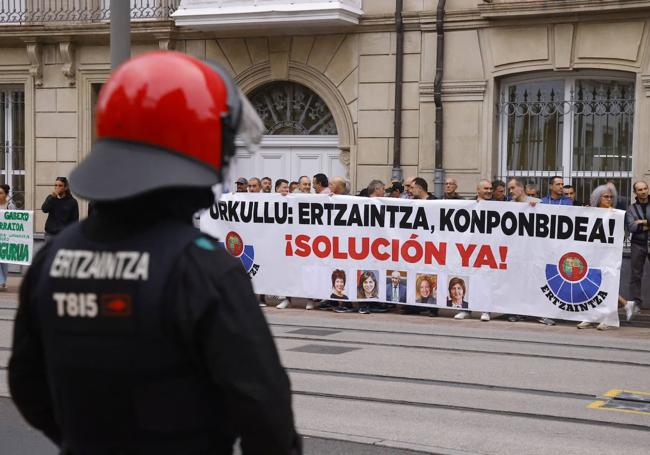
(500, 257)
(16, 236)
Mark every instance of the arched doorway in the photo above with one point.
(300, 139)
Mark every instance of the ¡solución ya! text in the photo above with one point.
(411, 251)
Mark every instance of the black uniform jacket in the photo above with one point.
(209, 301)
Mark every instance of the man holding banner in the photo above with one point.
(556, 192)
(544, 261)
(484, 192)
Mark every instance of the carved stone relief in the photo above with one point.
(67, 50)
(35, 56)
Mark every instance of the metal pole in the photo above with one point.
(120, 32)
(399, 65)
(439, 174)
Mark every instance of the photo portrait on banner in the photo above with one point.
(396, 286)
(339, 282)
(457, 296)
(367, 284)
(426, 286)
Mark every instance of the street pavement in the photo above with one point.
(446, 386)
(17, 438)
(392, 384)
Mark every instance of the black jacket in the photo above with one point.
(455, 196)
(634, 212)
(60, 213)
(209, 304)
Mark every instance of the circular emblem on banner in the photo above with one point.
(572, 285)
(234, 244)
(572, 267)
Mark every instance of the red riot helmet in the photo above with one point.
(164, 119)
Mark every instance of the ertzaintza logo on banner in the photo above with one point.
(235, 245)
(572, 285)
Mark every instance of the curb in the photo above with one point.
(390, 444)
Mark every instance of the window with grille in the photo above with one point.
(12, 143)
(288, 108)
(578, 127)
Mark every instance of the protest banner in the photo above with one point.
(16, 236)
(503, 257)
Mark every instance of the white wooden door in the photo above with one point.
(289, 157)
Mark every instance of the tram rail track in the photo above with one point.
(462, 350)
(540, 404)
(475, 409)
(439, 382)
(459, 408)
(458, 336)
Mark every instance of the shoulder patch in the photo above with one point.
(204, 243)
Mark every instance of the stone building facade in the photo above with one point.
(530, 88)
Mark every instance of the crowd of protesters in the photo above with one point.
(62, 209)
(516, 190)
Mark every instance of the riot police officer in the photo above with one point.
(136, 333)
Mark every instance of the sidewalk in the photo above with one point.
(13, 283)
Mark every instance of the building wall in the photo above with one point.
(353, 70)
(56, 127)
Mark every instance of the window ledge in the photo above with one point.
(505, 9)
(231, 14)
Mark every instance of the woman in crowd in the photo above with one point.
(605, 197)
(5, 204)
(457, 291)
(61, 208)
(367, 289)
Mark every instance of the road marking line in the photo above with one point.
(612, 393)
(623, 404)
(629, 411)
(596, 404)
(636, 393)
